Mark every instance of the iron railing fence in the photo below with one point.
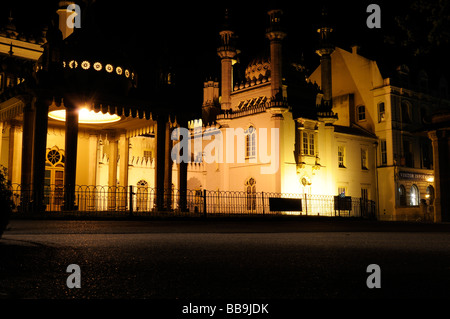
(121, 200)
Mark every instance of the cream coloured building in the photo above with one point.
(394, 109)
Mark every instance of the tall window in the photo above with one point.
(381, 112)
(407, 153)
(341, 156)
(250, 188)
(311, 143)
(250, 138)
(402, 195)
(364, 159)
(308, 143)
(406, 112)
(383, 152)
(305, 143)
(364, 193)
(361, 111)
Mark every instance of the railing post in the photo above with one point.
(262, 200)
(204, 203)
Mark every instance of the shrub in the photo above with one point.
(6, 202)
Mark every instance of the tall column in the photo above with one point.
(160, 161)
(275, 34)
(440, 140)
(92, 170)
(27, 155)
(93, 159)
(325, 71)
(112, 171)
(70, 168)
(15, 150)
(124, 146)
(324, 51)
(40, 145)
(168, 163)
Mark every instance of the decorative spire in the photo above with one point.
(226, 51)
(227, 39)
(325, 30)
(324, 51)
(275, 29)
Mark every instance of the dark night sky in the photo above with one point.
(184, 34)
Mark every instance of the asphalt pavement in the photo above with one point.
(235, 260)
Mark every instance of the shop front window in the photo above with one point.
(414, 196)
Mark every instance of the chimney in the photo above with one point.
(355, 49)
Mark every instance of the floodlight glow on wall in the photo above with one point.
(86, 116)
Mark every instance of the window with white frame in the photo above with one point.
(383, 152)
(308, 145)
(250, 139)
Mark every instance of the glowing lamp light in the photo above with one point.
(86, 116)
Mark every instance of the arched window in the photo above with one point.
(142, 196)
(250, 188)
(406, 112)
(54, 177)
(414, 196)
(402, 195)
(250, 141)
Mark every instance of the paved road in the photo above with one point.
(236, 260)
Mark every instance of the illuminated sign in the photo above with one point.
(413, 176)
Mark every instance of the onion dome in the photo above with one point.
(258, 68)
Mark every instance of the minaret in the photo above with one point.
(275, 34)
(324, 51)
(226, 52)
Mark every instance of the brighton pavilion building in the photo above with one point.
(76, 137)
